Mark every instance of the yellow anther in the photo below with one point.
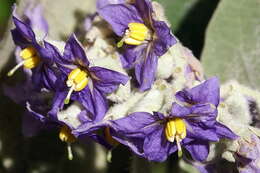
(65, 135)
(31, 62)
(175, 129)
(180, 128)
(138, 31)
(28, 52)
(136, 34)
(77, 81)
(170, 130)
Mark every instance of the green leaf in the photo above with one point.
(232, 46)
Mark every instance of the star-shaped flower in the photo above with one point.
(146, 38)
(155, 136)
(84, 83)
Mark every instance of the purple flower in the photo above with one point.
(34, 55)
(155, 136)
(83, 83)
(146, 39)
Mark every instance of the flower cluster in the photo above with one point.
(59, 78)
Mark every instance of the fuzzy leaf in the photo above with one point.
(232, 46)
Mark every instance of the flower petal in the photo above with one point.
(199, 150)
(156, 147)
(137, 123)
(207, 92)
(74, 52)
(23, 34)
(224, 132)
(107, 80)
(119, 16)
(164, 40)
(145, 71)
(179, 111)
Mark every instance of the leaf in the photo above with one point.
(232, 46)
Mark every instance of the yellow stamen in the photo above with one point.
(77, 81)
(28, 52)
(176, 130)
(30, 60)
(66, 136)
(136, 34)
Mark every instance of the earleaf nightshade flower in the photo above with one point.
(84, 83)
(34, 55)
(155, 136)
(146, 38)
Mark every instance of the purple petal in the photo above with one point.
(107, 80)
(57, 103)
(94, 101)
(89, 127)
(138, 124)
(145, 71)
(23, 34)
(164, 38)
(207, 92)
(74, 52)
(203, 113)
(134, 143)
(179, 111)
(36, 18)
(102, 3)
(119, 16)
(145, 9)
(199, 150)
(196, 131)
(224, 132)
(132, 55)
(156, 146)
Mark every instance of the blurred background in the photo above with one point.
(191, 22)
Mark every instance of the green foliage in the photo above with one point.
(232, 47)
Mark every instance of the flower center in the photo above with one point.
(136, 34)
(77, 81)
(30, 60)
(175, 130)
(66, 136)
